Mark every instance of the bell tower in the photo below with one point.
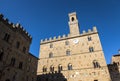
(73, 24)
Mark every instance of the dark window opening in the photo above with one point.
(7, 80)
(12, 61)
(50, 55)
(72, 19)
(60, 68)
(7, 37)
(91, 49)
(1, 54)
(24, 49)
(44, 69)
(17, 44)
(95, 80)
(20, 65)
(68, 52)
(69, 66)
(89, 39)
(96, 64)
(52, 69)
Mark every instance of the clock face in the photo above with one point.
(75, 41)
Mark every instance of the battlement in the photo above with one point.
(51, 39)
(15, 27)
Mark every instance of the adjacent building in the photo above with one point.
(114, 67)
(16, 63)
(77, 56)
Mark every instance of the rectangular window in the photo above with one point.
(20, 65)
(7, 37)
(1, 54)
(12, 62)
(68, 52)
(67, 43)
(17, 44)
(24, 49)
(51, 45)
(91, 49)
(50, 55)
(89, 39)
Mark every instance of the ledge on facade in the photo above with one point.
(94, 30)
(15, 27)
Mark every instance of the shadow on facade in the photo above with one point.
(51, 77)
(114, 71)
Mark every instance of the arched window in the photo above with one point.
(69, 66)
(50, 55)
(44, 69)
(51, 45)
(66, 42)
(68, 52)
(72, 19)
(91, 49)
(1, 54)
(51, 68)
(96, 64)
(60, 68)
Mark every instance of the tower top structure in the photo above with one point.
(73, 24)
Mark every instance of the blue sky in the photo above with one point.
(40, 17)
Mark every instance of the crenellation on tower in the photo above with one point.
(50, 38)
(6, 20)
(59, 37)
(68, 36)
(54, 38)
(94, 29)
(89, 31)
(84, 31)
(64, 36)
(16, 27)
(45, 40)
(41, 41)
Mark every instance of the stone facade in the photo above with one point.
(16, 63)
(114, 67)
(78, 56)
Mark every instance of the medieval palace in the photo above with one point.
(77, 56)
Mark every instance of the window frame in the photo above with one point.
(91, 49)
(50, 55)
(68, 52)
(70, 66)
